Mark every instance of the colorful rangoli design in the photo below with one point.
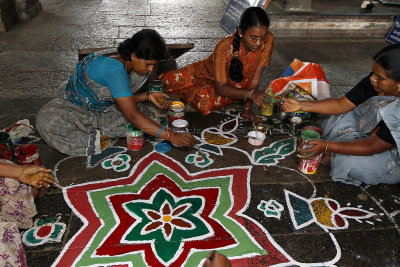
(44, 230)
(325, 212)
(213, 140)
(162, 215)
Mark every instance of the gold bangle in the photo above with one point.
(248, 95)
(326, 146)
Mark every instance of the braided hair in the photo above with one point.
(252, 16)
(145, 44)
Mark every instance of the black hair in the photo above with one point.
(389, 58)
(145, 44)
(252, 16)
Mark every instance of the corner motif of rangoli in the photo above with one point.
(119, 163)
(44, 230)
(200, 160)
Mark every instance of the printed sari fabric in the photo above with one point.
(79, 91)
(73, 124)
(378, 168)
(17, 208)
(195, 83)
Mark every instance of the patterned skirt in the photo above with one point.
(197, 92)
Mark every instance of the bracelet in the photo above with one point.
(147, 96)
(326, 146)
(159, 131)
(170, 135)
(23, 169)
(248, 95)
(247, 108)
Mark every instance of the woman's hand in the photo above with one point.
(258, 98)
(247, 115)
(36, 176)
(216, 259)
(290, 105)
(159, 99)
(318, 147)
(183, 139)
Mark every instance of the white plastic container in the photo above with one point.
(256, 138)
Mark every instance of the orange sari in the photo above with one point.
(195, 83)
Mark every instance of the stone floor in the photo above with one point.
(36, 56)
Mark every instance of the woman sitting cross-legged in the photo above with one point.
(233, 70)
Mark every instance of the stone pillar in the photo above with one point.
(298, 5)
(27, 9)
(8, 15)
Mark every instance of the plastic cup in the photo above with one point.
(268, 111)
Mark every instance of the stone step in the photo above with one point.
(330, 19)
(325, 26)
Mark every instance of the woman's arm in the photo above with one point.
(358, 147)
(129, 109)
(157, 98)
(326, 106)
(33, 175)
(227, 90)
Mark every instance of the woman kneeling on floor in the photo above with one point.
(361, 142)
(97, 101)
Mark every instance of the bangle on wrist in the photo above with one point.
(170, 135)
(23, 169)
(247, 108)
(159, 131)
(146, 98)
(248, 95)
(326, 146)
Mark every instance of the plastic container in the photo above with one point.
(180, 126)
(176, 111)
(28, 155)
(156, 86)
(269, 110)
(309, 166)
(134, 137)
(256, 138)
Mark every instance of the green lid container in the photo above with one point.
(132, 130)
(156, 86)
(310, 135)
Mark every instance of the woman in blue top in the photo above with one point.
(98, 101)
(362, 142)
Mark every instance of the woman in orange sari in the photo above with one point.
(232, 71)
